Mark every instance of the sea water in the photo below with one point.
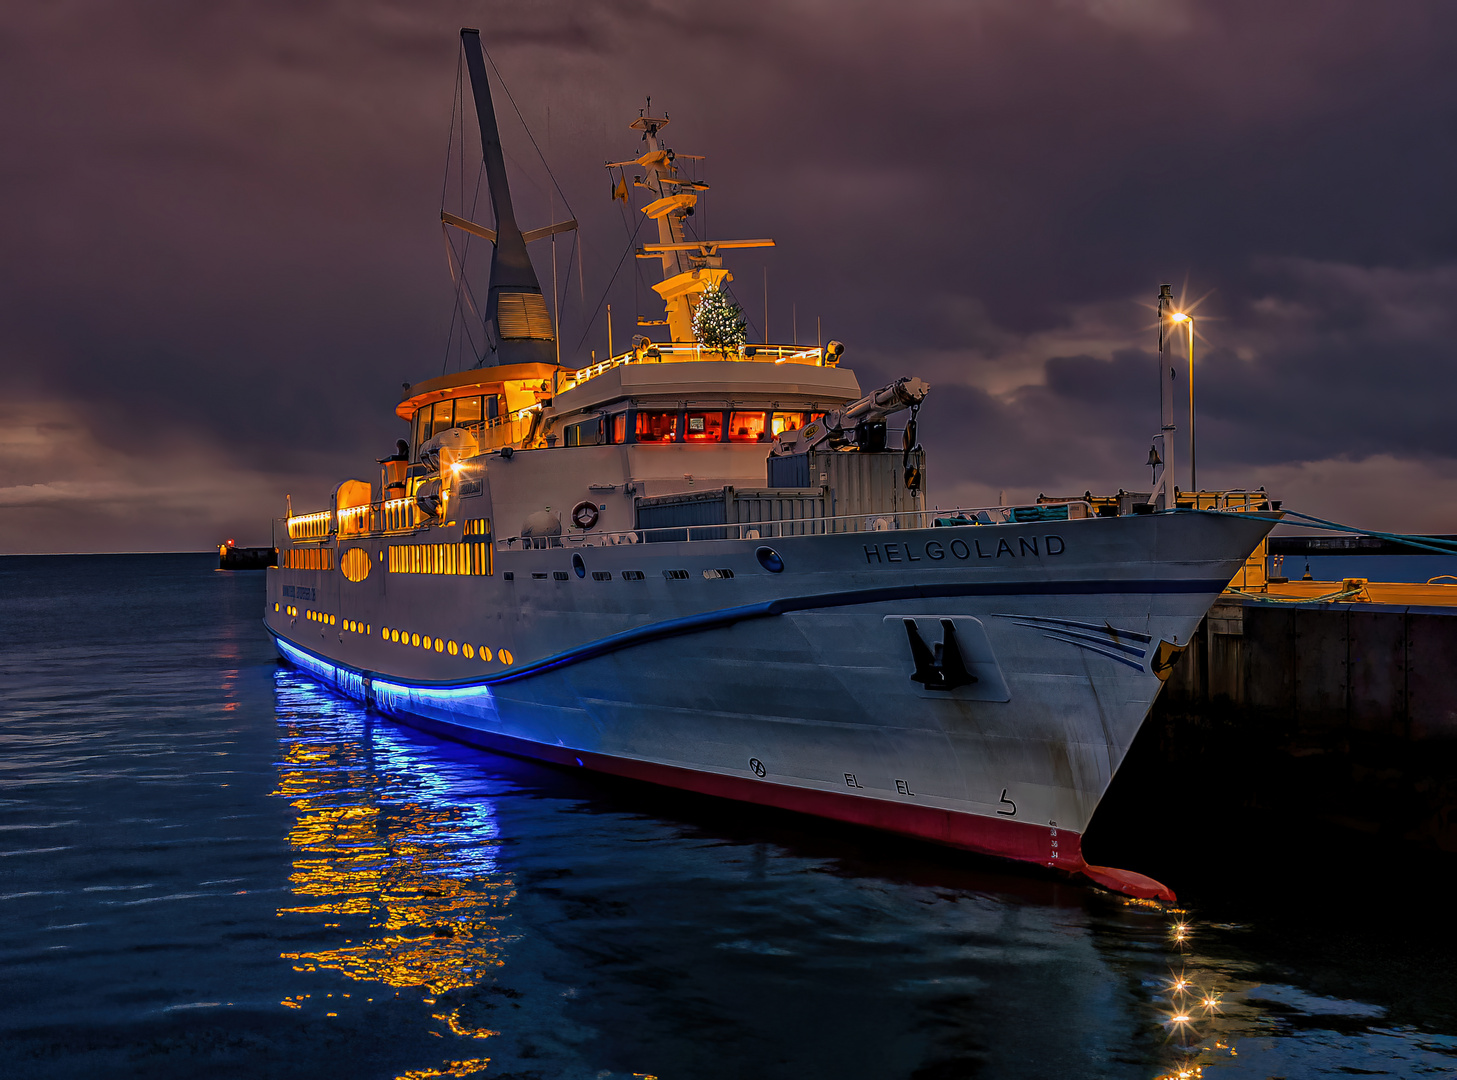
(212, 866)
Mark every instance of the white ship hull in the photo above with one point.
(794, 689)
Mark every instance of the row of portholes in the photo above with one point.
(469, 651)
(406, 638)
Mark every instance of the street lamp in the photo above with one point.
(1184, 317)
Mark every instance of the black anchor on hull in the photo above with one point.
(942, 669)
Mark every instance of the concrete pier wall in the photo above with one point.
(1294, 720)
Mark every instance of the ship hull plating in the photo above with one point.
(799, 689)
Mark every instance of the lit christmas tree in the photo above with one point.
(718, 322)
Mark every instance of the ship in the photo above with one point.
(705, 563)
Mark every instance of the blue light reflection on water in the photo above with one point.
(215, 866)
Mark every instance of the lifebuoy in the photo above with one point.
(584, 515)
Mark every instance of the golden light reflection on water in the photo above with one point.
(401, 859)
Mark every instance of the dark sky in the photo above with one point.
(222, 257)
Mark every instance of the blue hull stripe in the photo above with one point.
(712, 620)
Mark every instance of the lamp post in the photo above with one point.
(1184, 317)
(1166, 430)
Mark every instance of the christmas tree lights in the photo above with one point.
(718, 322)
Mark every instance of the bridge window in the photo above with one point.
(467, 411)
(656, 427)
(747, 427)
(703, 427)
(444, 417)
(619, 428)
(585, 434)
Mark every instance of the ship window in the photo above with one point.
(632, 575)
(703, 427)
(676, 575)
(747, 427)
(422, 427)
(444, 417)
(723, 572)
(656, 427)
(597, 575)
(493, 406)
(541, 577)
(787, 421)
(559, 575)
(585, 434)
(619, 428)
(467, 411)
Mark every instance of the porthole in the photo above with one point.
(769, 559)
(333, 620)
(469, 650)
(428, 643)
(395, 636)
(507, 658)
(579, 566)
(452, 648)
(275, 607)
(415, 640)
(439, 645)
(486, 653)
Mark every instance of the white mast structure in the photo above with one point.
(690, 267)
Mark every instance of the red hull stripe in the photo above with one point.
(1017, 840)
(1021, 841)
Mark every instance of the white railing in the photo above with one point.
(668, 352)
(814, 526)
(391, 515)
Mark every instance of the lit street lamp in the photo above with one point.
(1184, 317)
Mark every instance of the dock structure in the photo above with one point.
(246, 558)
(1324, 705)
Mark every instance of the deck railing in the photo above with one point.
(665, 352)
(389, 516)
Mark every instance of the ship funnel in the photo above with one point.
(518, 325)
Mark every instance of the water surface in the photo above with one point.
(212, 866)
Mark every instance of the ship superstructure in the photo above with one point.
(706, 565)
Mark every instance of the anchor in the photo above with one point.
(942, 669)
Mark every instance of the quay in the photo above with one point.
(246, 558)
(1304, 707)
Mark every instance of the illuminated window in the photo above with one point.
(395, 635)
(422, 427)
(703, 427)
(507, 658)
(469, 650)
(452, 648)
(313, 558)
(656, 427)
(472, 558)
(467, 412)
(485, 654)
(444, 418)
(439, 645)
(275, 607)
(415, 640)
(747, 427)
(619, 428)
(787, 421)
(333, 620)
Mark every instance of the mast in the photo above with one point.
(518, 325)
(690, 267)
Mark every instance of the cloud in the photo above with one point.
(221, 235)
